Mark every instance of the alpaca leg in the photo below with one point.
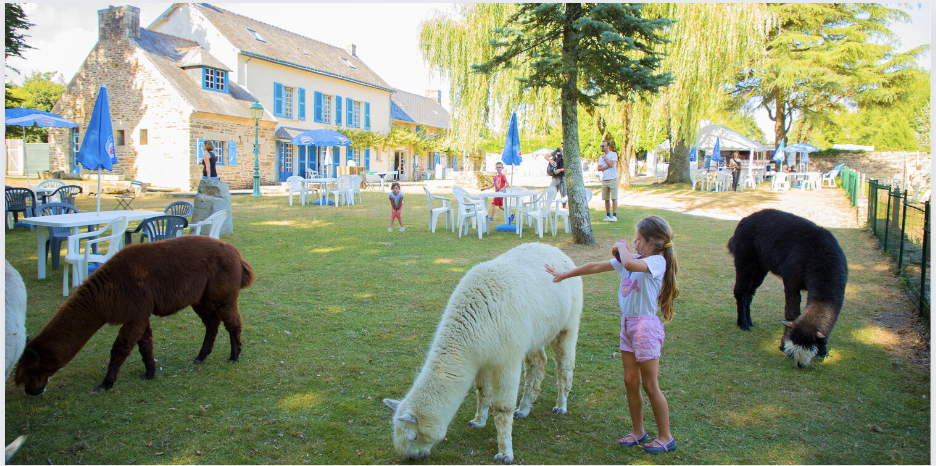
(792, 292)
(146, 351)
(534, 369)
(564, 349)
(483, 393)
(747, 280)
(128, 336)
(212, 322)
(233, 326)
(505, 383)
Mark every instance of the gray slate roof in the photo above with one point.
(289, 48)
(412, 108)
(169, 53)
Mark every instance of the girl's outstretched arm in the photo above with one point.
(587, 269)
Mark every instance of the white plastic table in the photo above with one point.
(75, 221)
(517, 195)
(324, 182)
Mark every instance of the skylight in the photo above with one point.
(255, 34)
(347, 62)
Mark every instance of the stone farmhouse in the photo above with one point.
(192, 76)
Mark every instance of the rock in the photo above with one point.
(212, 197)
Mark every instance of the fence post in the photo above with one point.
(926, 246)
(887, 222)
(903, 234)
(872, 205)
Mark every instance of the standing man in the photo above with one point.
(556, 169)
(609, 185)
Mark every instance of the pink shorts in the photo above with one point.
(642, 336)
(396, 215)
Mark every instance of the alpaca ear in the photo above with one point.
(391, 403)
(820, 334)
(787, 323)
(408, 417)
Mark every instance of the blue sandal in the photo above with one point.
(661, 448)
(627, 443)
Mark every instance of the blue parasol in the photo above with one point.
(716, 152)
(778, 154)
(30, 117)
(693, 154)
(97, 149)
(511, 155)
(320, 138)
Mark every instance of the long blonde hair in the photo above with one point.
(657, 231)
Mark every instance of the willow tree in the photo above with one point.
(585, 51)
(825, 57)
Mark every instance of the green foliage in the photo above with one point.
(16, 23)
(342, 313)
(40, 91)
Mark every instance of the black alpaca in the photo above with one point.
(806, 257)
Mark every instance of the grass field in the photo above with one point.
(342, 314)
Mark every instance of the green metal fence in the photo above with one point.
(902, 228)
(851, 183)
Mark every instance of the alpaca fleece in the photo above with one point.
(807, 258)
(145, 279)
(494, 328)
(15, 317)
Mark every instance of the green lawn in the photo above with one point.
(342, 313)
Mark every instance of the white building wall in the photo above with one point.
(185, 22)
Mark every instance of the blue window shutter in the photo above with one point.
(338, 110)
(204, 77)
(277, 99)
(227, 85)
(349, 155)
(301, 103)
(232, 153)
(349, 108)
(318, 107)
(366, 115)
(198, 150)
(367, 159)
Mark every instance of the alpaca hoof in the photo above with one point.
(199, 360)
(148, 376)
(502, 458)
(558, 410)
(519, 414)
(476, 425)
(103, 386)
(233, 359)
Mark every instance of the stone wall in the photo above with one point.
(240, 176)
(884, 166)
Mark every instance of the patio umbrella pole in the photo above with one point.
(25, 163)
(99, 191)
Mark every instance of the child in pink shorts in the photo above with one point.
(648, 285)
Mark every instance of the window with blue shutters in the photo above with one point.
(349, 108)
(318, 107)
(338, 110)
(367, 159)
(301, 103)
(199, 155)
(366, 115)
(349, 154)
(277, 99)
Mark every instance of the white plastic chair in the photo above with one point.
(79, 261)
(356, 181)
(297, 185)
(828, 178)
(434, 212)
(215, 221)
(53, 183)
(539, 209)
(559, 212)
(812, 181)
(780, 181)
(341, 190)
(470, 210)
(696, 178)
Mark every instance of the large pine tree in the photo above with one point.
(587, 52)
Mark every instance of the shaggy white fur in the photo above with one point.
(802, 355)
(495, 326)
(15, 317)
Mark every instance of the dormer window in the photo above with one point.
(214, 80)
(255, 34)
(347, 62)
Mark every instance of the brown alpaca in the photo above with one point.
(143, 279)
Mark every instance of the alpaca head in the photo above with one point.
(408, 439)
(31, 371)
(802, 342)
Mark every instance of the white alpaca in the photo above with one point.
(15, 334)
(496, 324)
(15, 317)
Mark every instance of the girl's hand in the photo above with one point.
(557, 276)
(615, 250)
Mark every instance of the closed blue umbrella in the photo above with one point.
(511, 154)
(716, 152)
(693, 154)
(31, 117)
(97, 149)
(778, 154)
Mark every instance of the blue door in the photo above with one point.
(285, 160)
(302, 161)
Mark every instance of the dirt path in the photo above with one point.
(827, 207)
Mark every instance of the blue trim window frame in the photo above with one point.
(221, 151)
(326, 108)
(357, 114)
(214, 80)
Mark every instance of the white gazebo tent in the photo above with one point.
(730, 140)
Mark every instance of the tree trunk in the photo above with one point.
(579, 216)
(625, 151)
(679, 163)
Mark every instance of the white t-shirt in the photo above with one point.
(640, 291)
(611, 173)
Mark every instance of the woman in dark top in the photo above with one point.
(209, 160)
(735, 165)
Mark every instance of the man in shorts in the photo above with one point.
(609, 181)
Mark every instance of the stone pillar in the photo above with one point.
(212, 197)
